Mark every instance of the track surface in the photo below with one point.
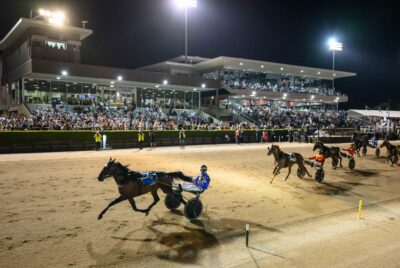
(50, 204)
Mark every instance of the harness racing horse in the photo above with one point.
(392, 152)
(285, 160)
(358, 144)
(333, 152)
(130, 186)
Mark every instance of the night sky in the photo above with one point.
(135, 33)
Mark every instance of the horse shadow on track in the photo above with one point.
(174, 241)
(344, 187)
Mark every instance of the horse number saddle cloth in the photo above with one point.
(148, 178)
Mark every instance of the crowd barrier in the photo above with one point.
(51, 141)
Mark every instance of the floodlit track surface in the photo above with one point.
(50, 203)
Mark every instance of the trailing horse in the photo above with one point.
(285, 160)
(333, 152)
(392, 152)
(130, 186)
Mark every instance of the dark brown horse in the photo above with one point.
(392, 152)
(333, 152)
(285, 160)
(130, 185)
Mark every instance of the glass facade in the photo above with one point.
(38, 91)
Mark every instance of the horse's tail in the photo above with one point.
(179, 175)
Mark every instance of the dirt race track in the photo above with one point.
(50, 202)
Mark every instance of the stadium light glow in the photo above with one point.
(165, 82)
(319, 73)
(262, 66)
(112, 82)
(203, 85)
(58, 78)
(334, 74)
(194, 89)
(157, 86)
(186, 3)
(335, 45)
(312, 97)
(119, 78)
(302, 71)
(55, 18)
(64, 73)
(282, 69)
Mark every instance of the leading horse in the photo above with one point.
(333, 152)
(130, 186)
(285, 160)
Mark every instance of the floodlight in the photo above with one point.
(203, 85)
(165, 82)
(119, 78)
(186, 3)
(64, 73)
(335, 45)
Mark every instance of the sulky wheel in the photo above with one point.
(301, 172)
(172, 201)
(193, 209)
(364, 151)
(378, 152)
(352, 163)
(319, 175)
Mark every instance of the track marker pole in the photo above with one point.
(247, 234)
(360, 208)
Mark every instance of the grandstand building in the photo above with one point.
(40, 66)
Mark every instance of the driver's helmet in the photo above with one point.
(321, 151)
(352, 145)
(203, 168)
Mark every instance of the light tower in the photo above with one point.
(334, 46)
(186, 4)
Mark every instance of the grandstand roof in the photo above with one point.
(199, 64)
(24, 24)
(374, 113)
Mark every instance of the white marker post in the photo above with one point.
(104, 140)
(247, 234)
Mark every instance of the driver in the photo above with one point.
(374, 142)
(203, 180)
(319, 159)
(350, 151)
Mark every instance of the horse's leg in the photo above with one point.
(146, 211)
(156, 199)
(302, 166)
(290, 170)
(133, 205)
(112, 203)
(277, 171)
(273, 172)
(340, 160)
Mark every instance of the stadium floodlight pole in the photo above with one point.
(186, 4)
(334, 46)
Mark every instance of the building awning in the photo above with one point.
(373, 113)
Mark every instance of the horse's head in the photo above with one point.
(384, 143)
(273, 149)
(108, 170)
(317, 145)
